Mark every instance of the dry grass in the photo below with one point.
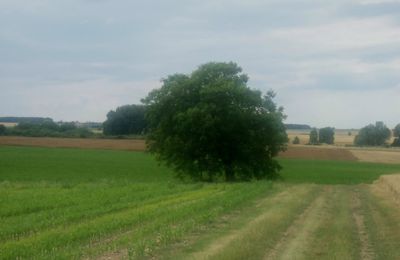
(390, 184)
(377, 156)
(7, 124)
(112, 144)
(342, 137)
(318, 153)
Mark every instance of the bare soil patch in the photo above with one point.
(125, 144)
(318, 153)
(377, 156)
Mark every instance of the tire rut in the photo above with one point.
(296, 239)
(225, 240)
(366, 251)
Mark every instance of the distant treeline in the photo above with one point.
(297, 127)
(46, 128)
(36, 120)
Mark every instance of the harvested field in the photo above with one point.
(389, 183)
(318, 153)
(109, 144)
(8, 124)
(342, 137)
(377, 156)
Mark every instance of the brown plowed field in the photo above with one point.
(125, 144)
(318, 153)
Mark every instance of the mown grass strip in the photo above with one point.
(265, 230)
(382, 223)
(337, 237)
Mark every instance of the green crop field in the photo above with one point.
(74, 203)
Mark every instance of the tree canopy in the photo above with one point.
(125, 120)
(396, 131)
(373, 135)
(211, 125)
(313, 136)
(327, 135)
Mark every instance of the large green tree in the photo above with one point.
(373, 135)
(125, 120)
(211, 125)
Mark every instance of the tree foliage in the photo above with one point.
(373, 135)
(296, 140)
(210, 125)
(396, 133)
(49, 128)
(125, 120)
(3, 130)
(313, 137)
(327, 135)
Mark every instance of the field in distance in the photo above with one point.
(342, 136)
(81, 203)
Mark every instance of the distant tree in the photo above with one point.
(125, 120)
(297, 127)
(327, 135)
(349, 133)
(3, 130)
(210, 125)
(296, 140)
(373, 135)
(67, 126)
(313, 137)
(396, 133)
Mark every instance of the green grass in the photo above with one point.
(73, 203)
(333, 172)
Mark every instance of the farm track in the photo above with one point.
(329, 222)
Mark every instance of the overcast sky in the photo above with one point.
(331, 63)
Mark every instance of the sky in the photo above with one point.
(331, 63)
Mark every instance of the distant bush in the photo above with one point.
(327, 135)
(313, 137)
(396, 133)
(373, 135)
(296, 140)
(49, 129)
(3, 130)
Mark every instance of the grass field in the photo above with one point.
(72, 203)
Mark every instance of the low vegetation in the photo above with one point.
(73, 203)
(47, 128)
